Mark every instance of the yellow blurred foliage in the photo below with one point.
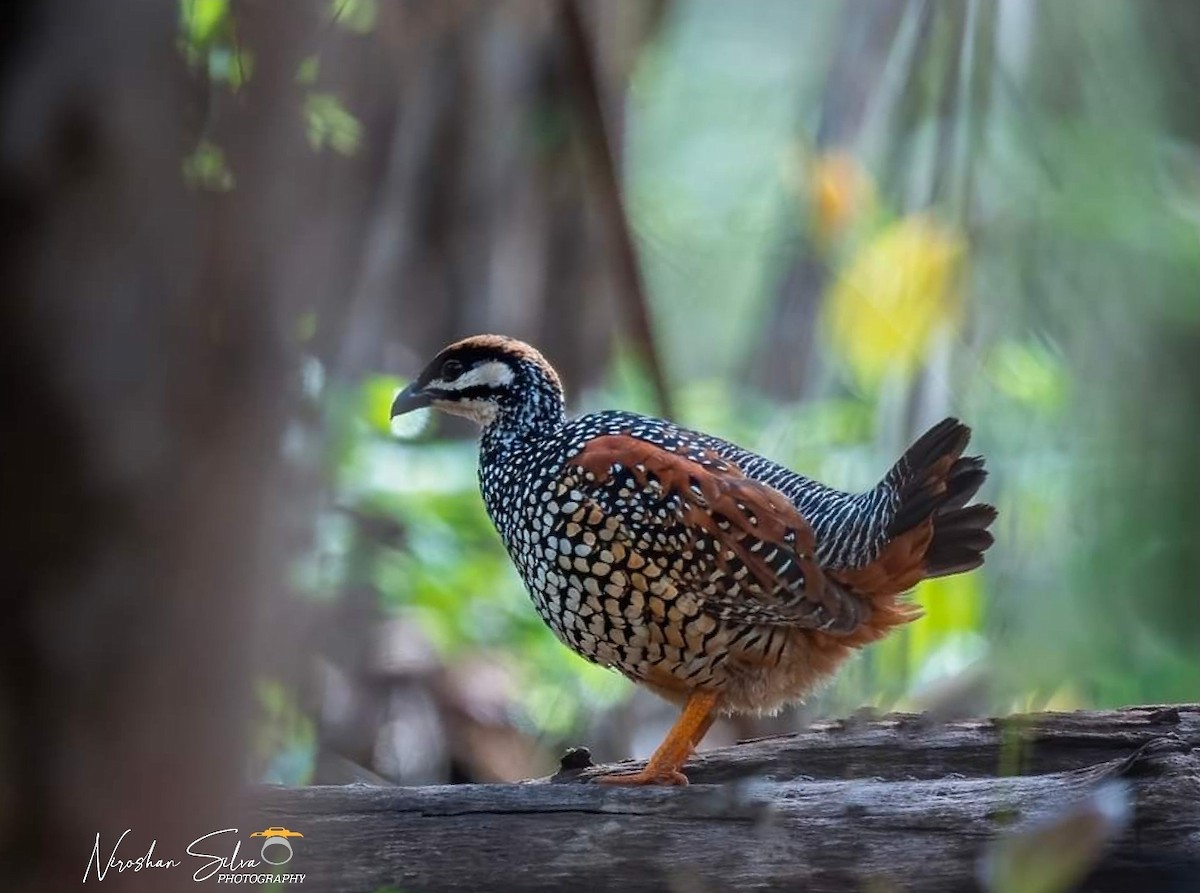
(951, 607)
(894, 295)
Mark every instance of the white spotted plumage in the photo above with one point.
(715, 576)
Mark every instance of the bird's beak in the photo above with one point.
(409, 399)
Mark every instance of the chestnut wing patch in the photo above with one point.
(737, 546)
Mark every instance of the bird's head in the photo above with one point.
(488, 379)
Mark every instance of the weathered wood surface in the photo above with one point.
(908, 745)
(897, 803)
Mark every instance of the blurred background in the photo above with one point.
(233, 229)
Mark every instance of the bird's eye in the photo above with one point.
(451, 369)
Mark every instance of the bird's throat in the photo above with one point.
(531, 419)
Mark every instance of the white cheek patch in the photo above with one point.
(481, 411)
(491, 374)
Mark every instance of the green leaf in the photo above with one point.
(205, 168)
(330, 124)
(307, 71)
(202, 20)
(355, 15)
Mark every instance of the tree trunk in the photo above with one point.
(148, 355)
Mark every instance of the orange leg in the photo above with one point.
(702, 729)
(663, 768)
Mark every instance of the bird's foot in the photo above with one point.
(646, 777)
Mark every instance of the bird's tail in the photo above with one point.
(934, 482)
(932, 531)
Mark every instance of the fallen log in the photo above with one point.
(894, 803)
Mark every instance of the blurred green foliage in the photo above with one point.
(1055, 286)
(330, 124)
(209, 42)
(205, 168)
(285, 738)
(210, 45)
(355, 15)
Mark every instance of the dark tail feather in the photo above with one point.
(934, 480)
(960, 537)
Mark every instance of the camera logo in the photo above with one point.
(276, 837)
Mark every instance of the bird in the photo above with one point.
(713, 576)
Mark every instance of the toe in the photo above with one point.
(645, 779)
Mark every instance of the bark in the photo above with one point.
(902, 803)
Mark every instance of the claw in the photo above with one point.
(645, 778)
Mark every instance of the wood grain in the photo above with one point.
(898, 803)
